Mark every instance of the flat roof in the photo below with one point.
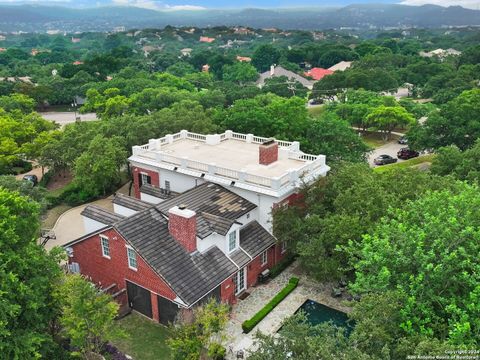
(231, 154)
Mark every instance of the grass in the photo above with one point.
(315, 110)
(53, 214)
(406, 164)
(145, 339)
(375, 139)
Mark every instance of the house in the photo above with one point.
(280, 71)
(76, 40)
(341, 66)
(186, 52)
(3, 38)
(76, 63)
(317, 73)
(206, 39)
(166, 258)
(197, 227)
(3, 49)
(34, 52)
(440, 53)
(244, 59)
(206, 68)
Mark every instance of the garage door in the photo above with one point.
(139, 299)
(167, 310)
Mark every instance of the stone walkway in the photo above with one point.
(262, 294)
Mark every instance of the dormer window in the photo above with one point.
(232, 241)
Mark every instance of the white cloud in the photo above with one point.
(470, 4)
(155, 5)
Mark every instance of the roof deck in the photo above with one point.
(229, 157)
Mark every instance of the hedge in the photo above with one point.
(282, 265)
(249, 324)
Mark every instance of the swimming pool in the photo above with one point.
(317, 313)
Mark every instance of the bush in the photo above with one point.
(217, 351)
(248, 325)
(282, 265)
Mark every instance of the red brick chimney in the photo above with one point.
(268, 152)
(182, 225)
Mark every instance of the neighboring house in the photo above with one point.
(317, 73)
(280, 71)
(3, 49)
(76, 40)
(440, 53)
(244, 59)
(199, 225)
(76, 63)
(186, 52)
(3, 38)
(206, 39)
(341, 66)
(206, 68)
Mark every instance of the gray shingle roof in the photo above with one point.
(254, 239)
(280, 71)
(157, 192)
(240, 258)
(212, 199)
(130, 202)
(101, 215)
(191, 276)
(208, 224)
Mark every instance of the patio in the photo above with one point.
(262, 294)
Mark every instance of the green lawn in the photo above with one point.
(406, 164)
(375, 139)
(315, 110)
(145, 339)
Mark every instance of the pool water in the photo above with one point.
(318, 313)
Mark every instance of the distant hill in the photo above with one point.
(40, 18)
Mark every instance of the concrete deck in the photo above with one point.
(230, 154)
(262, 294)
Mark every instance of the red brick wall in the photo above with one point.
(184, 230)
(228, 291)
(267, 154)
(104, 271)
(154, 175)
(255, 267)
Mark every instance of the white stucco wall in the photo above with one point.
(217, 240)
(178, 182)
(91, 225)
(150, 199)
(122, 210)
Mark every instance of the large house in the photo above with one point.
(198, 226)
(276, 71)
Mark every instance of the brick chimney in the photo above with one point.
(182, 225)
(268, 152)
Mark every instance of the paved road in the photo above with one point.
(66, 117)
(389, 148)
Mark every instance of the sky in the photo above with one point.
(218, 4)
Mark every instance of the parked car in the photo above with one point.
(406, 153)
(403, 140)
(384, 159)
(32, 178)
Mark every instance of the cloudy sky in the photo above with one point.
(205, 4)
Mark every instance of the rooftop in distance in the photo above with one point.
(227, 157)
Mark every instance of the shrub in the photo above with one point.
(249, 324)
(282, 265)
(217, 351)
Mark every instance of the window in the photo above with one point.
(284, 247)
(167, 185)
(264, 257)
(132, 258)
(105, 246)
(240, 284)
(232, 241)
(145, 179)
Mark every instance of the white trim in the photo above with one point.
(244, 285)
(263, 263)
(283, 247)
(102, 238)
(128, 258)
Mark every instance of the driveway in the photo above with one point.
(389, 148)
(67, 117)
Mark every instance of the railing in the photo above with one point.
(239, 136)
(197, 165)
(301, 156)
(171, 159)
(233, 174)
(259, 180)
(195, 136)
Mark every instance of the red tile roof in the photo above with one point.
(318, 73)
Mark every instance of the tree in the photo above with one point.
(440, 231)
(28, 276)
(282, 86)
(456, 124)
(17, 102)
(97, 170)
(87, 315)
(25, 188)
(264, 56)
(201, 336)
(334, 138)
(387, 118)
(240, 72)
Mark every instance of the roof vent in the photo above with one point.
(182, 206)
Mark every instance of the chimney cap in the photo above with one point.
(185, 213)
(182, 206)
(269, 142)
